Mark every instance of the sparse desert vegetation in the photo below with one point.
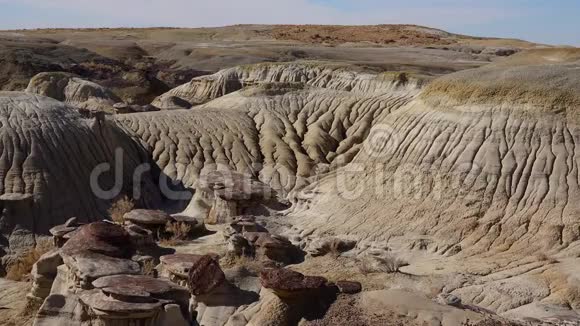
(121, 207)
(20, 268)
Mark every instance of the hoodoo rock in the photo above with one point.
(132, 299)
(97, 250)
(232, 194)
(96, 278)
(288, 284)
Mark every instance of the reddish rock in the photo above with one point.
(205, 276)
(101, 237)
(286, 283)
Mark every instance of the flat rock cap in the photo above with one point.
(147, 217)
(290, 281)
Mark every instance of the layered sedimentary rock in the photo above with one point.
(316, 74)
(70, 89)
(494, 148)
(311, 119)
(95, 278)
(65, 164)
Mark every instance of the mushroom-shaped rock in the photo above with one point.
(101, 237)
(286, 283)
(114, 303)
(234, 186)
(99, 249)
(205, 275)
(233, 193)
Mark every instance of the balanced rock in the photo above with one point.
(136, 299)
(286, 283)
(97, 250)
(233, 194)
(87, 267)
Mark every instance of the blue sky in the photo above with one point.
(554, 22)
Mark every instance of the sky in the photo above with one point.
(543, 21)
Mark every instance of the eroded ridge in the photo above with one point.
(497, 174)
(277, 131)
(48, 153)
(339, 77)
